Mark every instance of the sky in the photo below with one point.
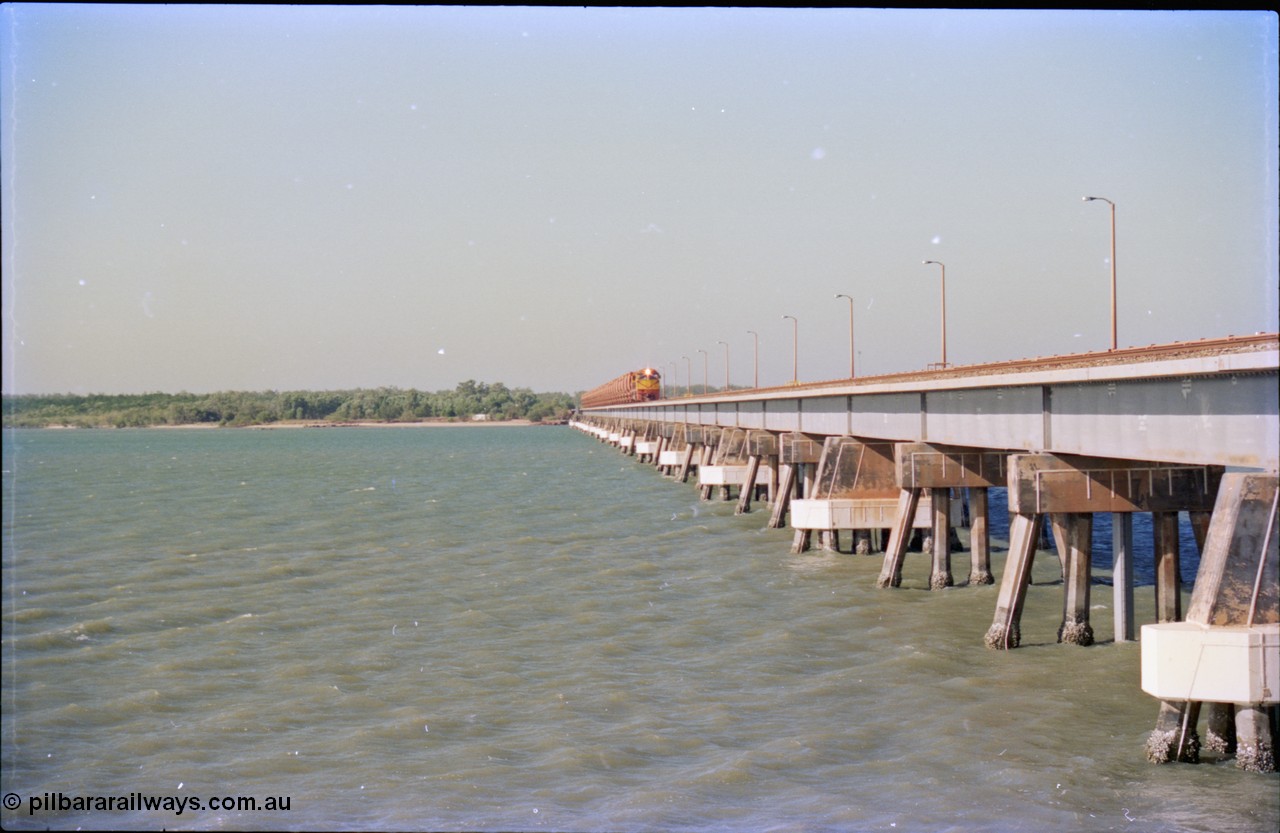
(206, 198)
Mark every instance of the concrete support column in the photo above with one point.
(1220, 729)
(979, 537)
(940, 575)
(803, 488)
(1074, 532)
(1122, 574)
(1255, 751)
(1164, 536)
(1200, 522)
(1175, 737)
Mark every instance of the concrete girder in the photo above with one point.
(794, 448)
(1053, 483)
(928, 465)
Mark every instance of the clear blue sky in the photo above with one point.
(208, 198)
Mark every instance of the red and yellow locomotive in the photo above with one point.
(636, 386)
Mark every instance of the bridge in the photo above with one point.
(1189, 427)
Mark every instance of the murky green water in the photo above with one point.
(519, 629)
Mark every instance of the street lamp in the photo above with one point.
(704, 371)
(795, 348)
(726, 363)
(851, 373)
(688, 376)
(1113, 264)
(944, 308)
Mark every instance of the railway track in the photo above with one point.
(1129, 355)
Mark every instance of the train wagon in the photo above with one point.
(636, 386)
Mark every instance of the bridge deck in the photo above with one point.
(1206, 403)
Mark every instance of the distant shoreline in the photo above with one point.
(479, 423)
(306, 423)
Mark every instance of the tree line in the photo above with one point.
(242, 408)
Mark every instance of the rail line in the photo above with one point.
(1128, 355)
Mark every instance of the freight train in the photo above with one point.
(636, 386)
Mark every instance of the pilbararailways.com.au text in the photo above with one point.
(136, 802)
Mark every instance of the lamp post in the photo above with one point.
(851, 373)
(675, 370)
(726, 363)
(688, 376)
(944, 308)
(795, 348)
(1113, 264)
(755, 381)
(704, 371)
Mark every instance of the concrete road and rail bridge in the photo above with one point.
(1188, 427)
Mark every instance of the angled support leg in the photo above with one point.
(899, 537)
(749, 487)
(1024, 534)
(786, 488)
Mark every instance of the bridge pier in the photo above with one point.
(710, 442)
(673, 445)
(761, 446)
(694, 449)
(853, 488)
(1225, 653)
(736, 462)
(622, 436)
(920, 466)
(648, 443)
(797, 456)
(1069, 486)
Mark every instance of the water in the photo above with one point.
(519, 629)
